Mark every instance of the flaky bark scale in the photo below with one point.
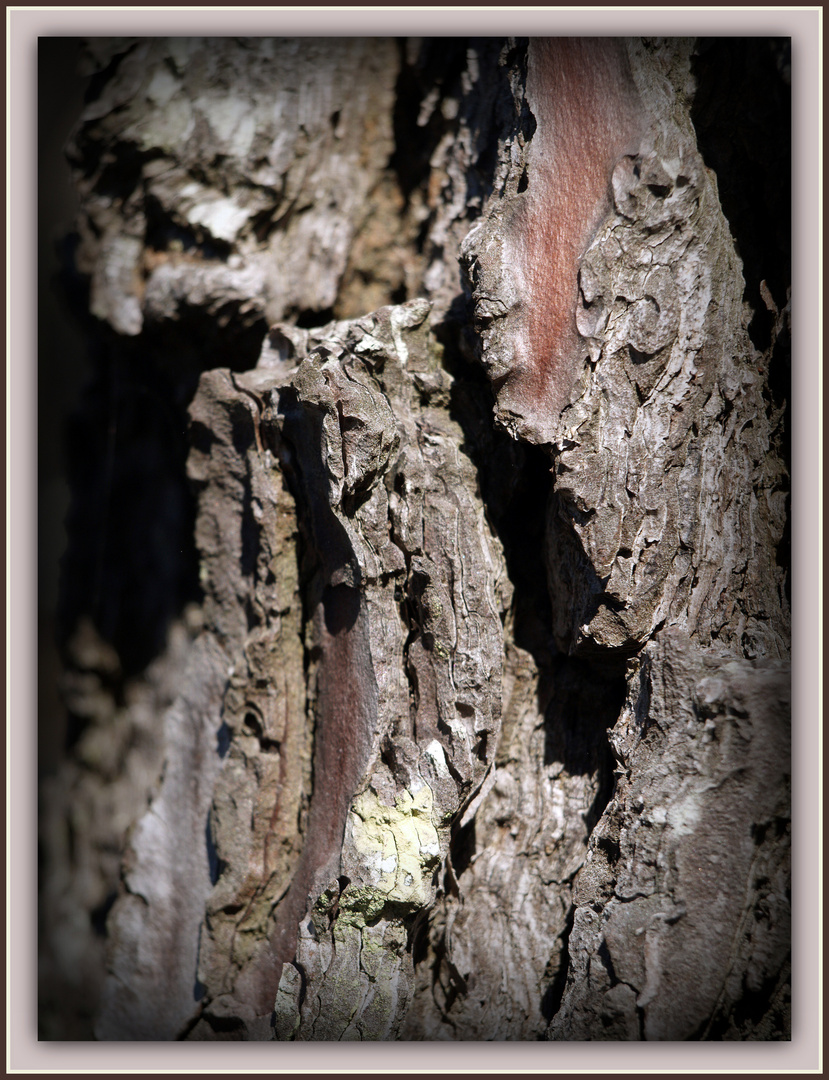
(588, 115)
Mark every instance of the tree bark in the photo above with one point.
(475, 724)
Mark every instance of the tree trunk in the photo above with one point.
(446, 696)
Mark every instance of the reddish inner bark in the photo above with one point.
(588, 116)
(346, 719)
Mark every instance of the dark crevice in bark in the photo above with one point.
(522, 529)
(163, 234)
(551, 1000)
(742, 114)
(99, 79)
(463, 847)
(607, 962)
(225, 1029)
(116, 180)
(438, 64)
(131, 563)
(214, 863)
(314, 317)
(742, 117)
(515, 483)
(184, 1033)
(587, 702)
(98, 916)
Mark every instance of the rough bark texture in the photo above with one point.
(684, 893)
(471, 730)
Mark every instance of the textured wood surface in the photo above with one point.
(479, 726)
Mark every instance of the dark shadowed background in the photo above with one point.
(61, 359)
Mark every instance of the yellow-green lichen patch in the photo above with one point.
(399, 844)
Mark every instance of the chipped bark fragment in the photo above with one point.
(645, 374)
(681, 899)
(655, 521)
(349, 429)
(588, 115)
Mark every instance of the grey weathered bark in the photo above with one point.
(474, 730)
